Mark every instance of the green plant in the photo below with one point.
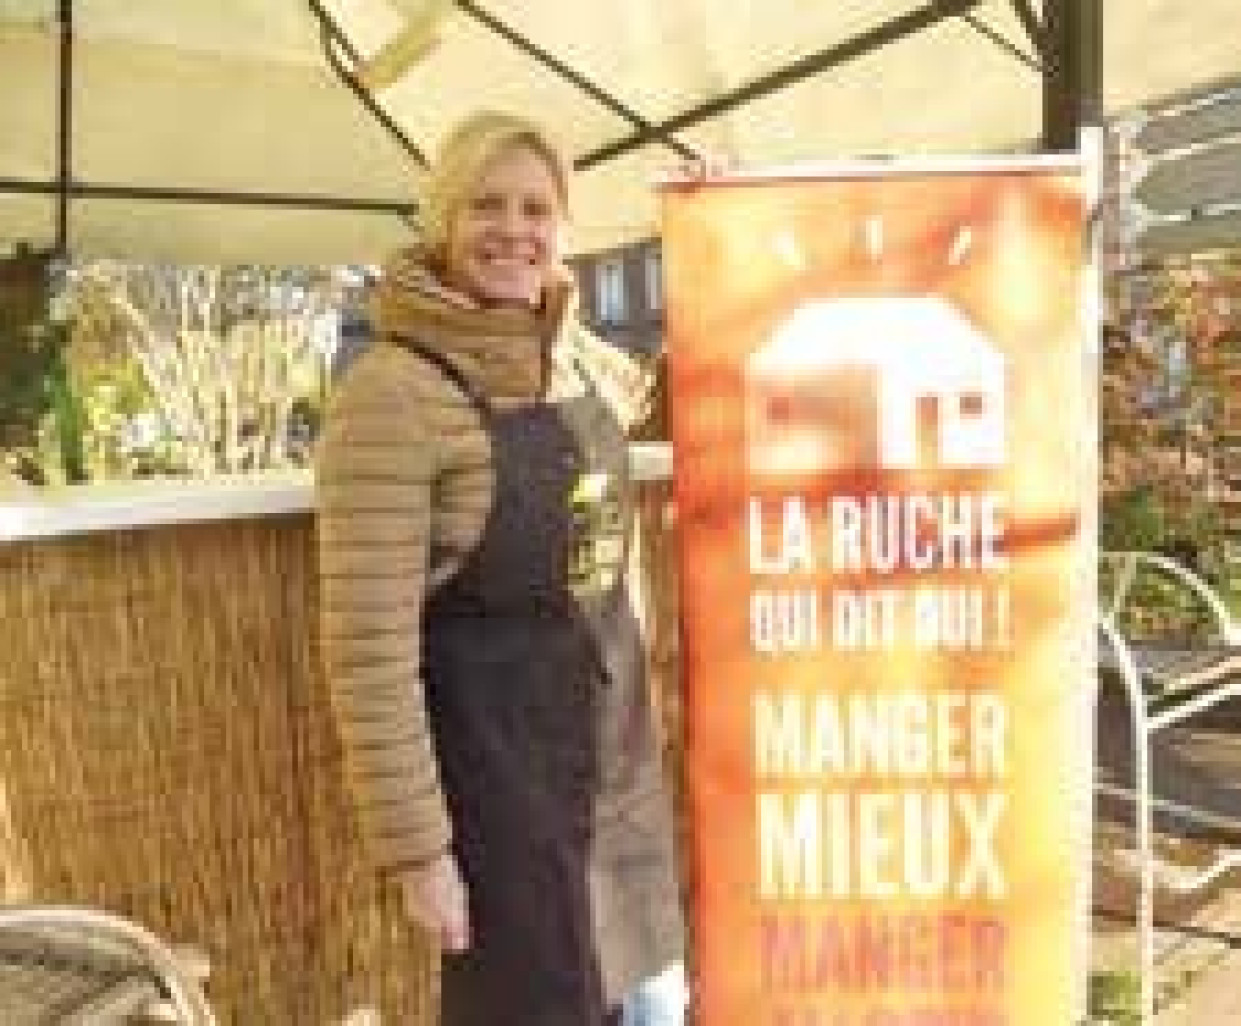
(1132, 520)
(1115, 998)
(69, 418)
(227, 362)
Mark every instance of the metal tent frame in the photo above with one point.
(1067, 44)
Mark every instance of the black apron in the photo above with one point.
(514, 680)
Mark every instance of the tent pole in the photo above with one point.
(1072, 75)
(215, 197)
(64, 124)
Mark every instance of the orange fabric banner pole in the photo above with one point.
(880, 415)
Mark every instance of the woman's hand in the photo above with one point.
(435, 897)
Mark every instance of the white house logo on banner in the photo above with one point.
(931, 385)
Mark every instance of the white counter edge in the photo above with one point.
(81, 509)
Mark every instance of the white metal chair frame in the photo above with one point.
(1198, 690)
(155, 977)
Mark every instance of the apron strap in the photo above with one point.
(443, 567)
(447, 368)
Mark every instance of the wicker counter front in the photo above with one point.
(167, 753)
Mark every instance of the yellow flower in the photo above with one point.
(590, 488)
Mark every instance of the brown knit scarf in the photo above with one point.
(506, 346)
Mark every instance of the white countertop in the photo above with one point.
(45, 513)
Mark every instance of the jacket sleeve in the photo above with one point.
(376, 465)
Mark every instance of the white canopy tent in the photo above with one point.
(202, 131)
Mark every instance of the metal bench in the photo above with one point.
(1166, 682)
(80, 967)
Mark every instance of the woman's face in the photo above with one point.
(505, 238)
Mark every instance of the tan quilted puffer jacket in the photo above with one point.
(403, 487)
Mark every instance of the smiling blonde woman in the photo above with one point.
(486, 669)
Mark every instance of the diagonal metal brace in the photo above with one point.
(925, 17)
(1030, 22)
(574, 77)
(1002, 41)
(332, 37)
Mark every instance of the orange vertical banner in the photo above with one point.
(883, 441)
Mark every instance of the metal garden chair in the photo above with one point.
(62, 966)
(1166, 681)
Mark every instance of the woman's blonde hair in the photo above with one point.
(464, 156)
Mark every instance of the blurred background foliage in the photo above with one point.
(1170, 421)
(112, 371)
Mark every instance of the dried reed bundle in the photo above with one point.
(166, 753)
(226, 353)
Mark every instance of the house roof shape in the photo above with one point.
(917, 340)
